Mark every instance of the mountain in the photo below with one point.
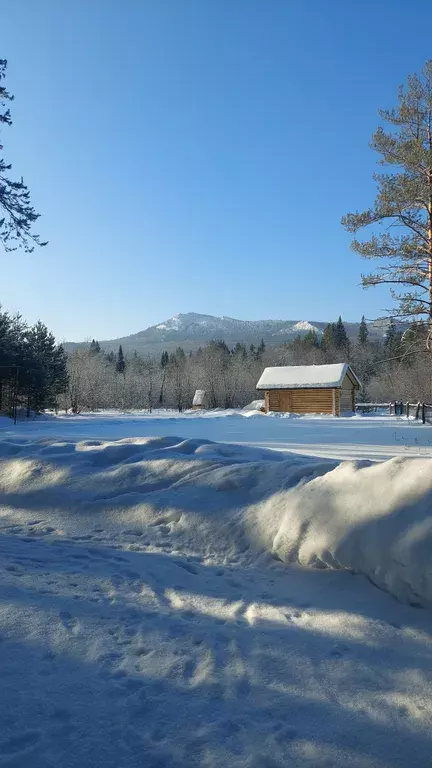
(192, 330)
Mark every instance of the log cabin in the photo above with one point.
(328, 389)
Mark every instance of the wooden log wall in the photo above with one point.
(303, 400)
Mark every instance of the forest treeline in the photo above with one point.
(37, 374)
(33, 367)
(395, 368)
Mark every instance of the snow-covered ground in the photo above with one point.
(371, 437)
(173, 602)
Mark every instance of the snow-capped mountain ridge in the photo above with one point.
(191, 330)
(192, 320)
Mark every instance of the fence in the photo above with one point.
(418, 411)
(371, 407)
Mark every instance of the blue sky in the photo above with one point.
(197, 155)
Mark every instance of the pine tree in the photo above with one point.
(59, 373)
(261, 349)
(239, 350)
(94, 347)
(17, 215)
(340, 335)
(390, 333)
(329, 336)
(311, 338)
(393, 340)
(363, 331)
(120, 364)
(46, 367)
(404, 200)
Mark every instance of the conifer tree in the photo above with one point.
(120, 364)
(312, 338)
(17, 215)
(404, 201)
(94, 347)
(329, 335)
(46, 367)
(340, 335)
(393, 339)
(363, 331)
(390, 333)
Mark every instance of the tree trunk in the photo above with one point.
(429, 337)
(162, 388)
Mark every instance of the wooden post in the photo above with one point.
(334, 402)
(417, 411)
(423, 413)
(407, 410)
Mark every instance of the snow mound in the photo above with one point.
(255, 405)
(372, 519)
(232, 503)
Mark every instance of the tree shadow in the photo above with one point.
(86, 684)
(123, 658)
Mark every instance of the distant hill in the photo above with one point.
(193, 330)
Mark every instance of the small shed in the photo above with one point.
(309, 388)
(200, 400)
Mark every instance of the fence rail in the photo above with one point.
(418, 411)
(370, 407)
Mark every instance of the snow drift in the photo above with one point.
(221, 502)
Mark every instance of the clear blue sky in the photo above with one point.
(197, 155)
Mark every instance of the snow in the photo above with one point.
(255, 405)
(173, 324)
(199, 397)
(172, 601)
(302, 376)
(305, 325)
(371, 436)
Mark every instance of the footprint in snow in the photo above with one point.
(68, 621)
(339, 650)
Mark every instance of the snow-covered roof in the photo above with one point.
(305, 376)
(199, 397)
